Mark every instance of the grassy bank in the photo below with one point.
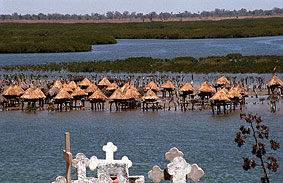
(232, 63)
(44, 38)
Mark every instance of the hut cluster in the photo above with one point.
(123, 95)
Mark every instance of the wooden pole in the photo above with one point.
(68, 157)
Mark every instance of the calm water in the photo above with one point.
(157, 49)
(31, 143)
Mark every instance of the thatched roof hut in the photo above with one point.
(112, 87)
(220, 96)
(11, 92)
(78, 92)
(234, 92)
(67, 88)
(132, 94)
(63, 95)
(128, 86)
(91, 88)
(187, 88)
(29, 94)
(85, 83)
(58, 84)
(241, 89)
(206, 87)
(39, 93)
(151, 86)
(274, 82)
(150, 95)
(168, 85)
(18, 89)
(97, 95)
(72, 85)
(118, 95)
(104, 82)
(222, 81)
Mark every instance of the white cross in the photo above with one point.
(196, 173)
(81, 163)
(179, 168)
(173, 153)
(156, 174)
(110, 148)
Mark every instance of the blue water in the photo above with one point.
(31, 144)
(126, 48)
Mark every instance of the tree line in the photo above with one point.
(151, 15)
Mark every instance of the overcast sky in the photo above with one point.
(144, 6)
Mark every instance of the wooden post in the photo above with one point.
(67, 157)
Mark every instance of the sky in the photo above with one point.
(143, 6)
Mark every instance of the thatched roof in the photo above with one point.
(235, 93)
(118, 95)
(29, 94)
(206, 87)
(91, 88)
(97, 95)
(85, 82)
(72, 85)
(240, 88)
(58, 84)
(274, 81)
(150, 95)
(132, 94)
(63, 95)
(220, 96)
(113, 86)
(18, 89)
(222, 81)
(3, 99)
(128, 86)
(187, 87)
(67, 88)
(151, 86)
(39, 93)
(78, 92)
(168, 85)
(11, 92)
(53, 91)
(104, 82)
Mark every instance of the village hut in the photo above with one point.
(91, 89)
(12, 94)
(119, 99)
(205, 90)
(3, 101)
(58, 84)
(151, 86)
(111, 88)
(30, 97)
(169, 87)
(79, 94)
(222, 82)
(41, 96)
(104, 83)
(241, 90)
(273, 84)
(67, 88)
(150, 98)
(19, 89)
(85, 83)
(218, 99)
(97, 99)
(186, 90)
(72, 85)
(235, 97)
(63, 97)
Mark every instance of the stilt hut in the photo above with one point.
(3, 101)
(132, 94)
(186, 90)
(111, 88)
(169, 87)
(273, 84)
(30, 97)
(91, 89)
(72, 85)
(97, 99)
(150, 98)
(12, 95)
(119, 99)
(58, 84)
(19, 89)
(104, 83)
(63, 97)
(67, 88)
(41, 96)
(85, 83)
(222, 82)
(219, 99)
(79, 94)
(235, 97)
(206, 90)
(151, 86)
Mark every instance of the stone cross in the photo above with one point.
(156, 174)
(67, 156)
(179, 169)
(196, 173)
(81, 163)
(110, 148)
(173, 153)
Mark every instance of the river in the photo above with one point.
(156, 48)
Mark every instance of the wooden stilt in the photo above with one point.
(68, 157)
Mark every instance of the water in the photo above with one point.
(126, 48)
(31, 143)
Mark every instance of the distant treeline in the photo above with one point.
(232, 63)
(135, 15)
(45, 38)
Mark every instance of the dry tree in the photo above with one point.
(260, 134)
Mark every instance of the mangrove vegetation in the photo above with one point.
(232, 63)
(52, 37)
